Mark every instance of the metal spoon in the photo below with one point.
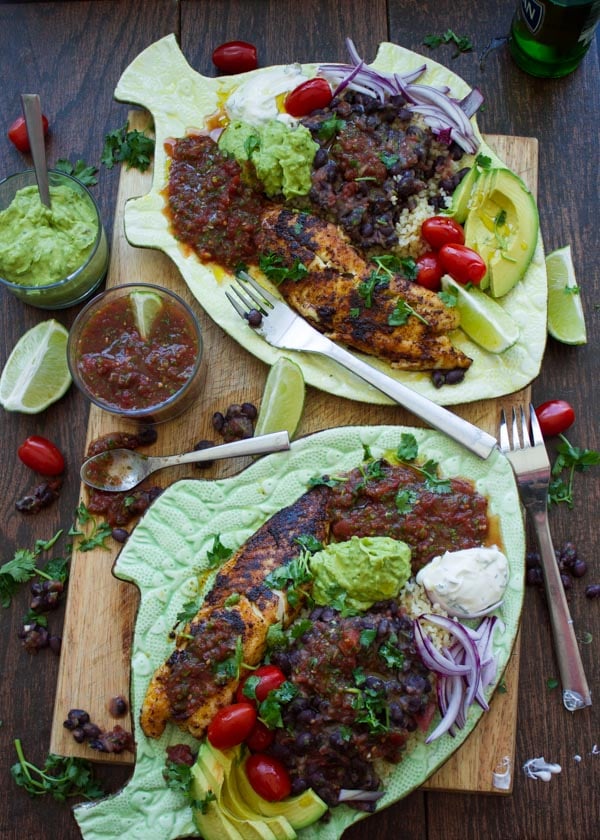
(123, 469)
(32, 110)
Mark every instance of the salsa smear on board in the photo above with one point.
(129, 372)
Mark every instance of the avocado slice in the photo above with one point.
(221, 817)
(233, 801)
(503, 226)
(300, 811)
(461, 197)
(211, 821)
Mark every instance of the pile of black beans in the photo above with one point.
(571, 566)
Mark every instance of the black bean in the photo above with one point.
(76, 718)
(79, 735)
(91, 730)
(200, 446)
(592, 590)
(55, 644)
(254, 318)
(566, 581)
(453, 377)
(118, 706)
(535, 576)
(147, 435)
(218, 421)
(438, 377)
(532, 559)
(579, 568)
(249, 410)
(120, 534)
(320, 158)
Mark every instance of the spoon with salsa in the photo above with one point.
(123, 469)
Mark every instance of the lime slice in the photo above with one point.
(36, 373)
(481, 318)
(282, 400)
(566, 321)
(146, 306)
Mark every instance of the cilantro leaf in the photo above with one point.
(133, 148)
(569, 460)
(60, 777)
(269, 711)
(80, 170)
(218, 553)
(402, 312)
(408, 448)
(273, 267)
(178, 776)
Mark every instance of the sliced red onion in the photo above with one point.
(465, 668)
(439, 110)
(347, 795)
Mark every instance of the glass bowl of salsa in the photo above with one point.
(136, 351)
(50, 257)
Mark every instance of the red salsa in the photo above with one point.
(213, 206)
(128, 372)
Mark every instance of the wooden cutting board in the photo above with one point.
(101, 610)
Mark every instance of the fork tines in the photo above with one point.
(251, 294)
(523, 439)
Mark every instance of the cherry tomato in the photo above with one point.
(17, 133)
(440, 230)
(307, 97)
(429, 271)
(235, 57)
(462, 264)
(231, 725)
(268, 777)
(555, 416)
(269, 677)
(41, 455)
(260, 738)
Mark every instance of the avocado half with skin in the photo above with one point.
(502, 225)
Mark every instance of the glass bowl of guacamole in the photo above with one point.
(53, 257)
(136, 351)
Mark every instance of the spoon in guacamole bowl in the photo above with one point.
(32, 111)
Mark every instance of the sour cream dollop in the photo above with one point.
(255, 100)
(466, 583)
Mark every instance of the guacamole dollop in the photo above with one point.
(41, 245)
(367, 569)
(282, 156)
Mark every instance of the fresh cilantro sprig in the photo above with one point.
(23, 567)
(98, 531)
(387, 265)
(133, 148)
(60, 777)
(80, 170)
(569, 460)
(218, 553)
(178, 776)
(402, 312)
(463, 44)
(229, 669)
(291, 578)
(274, 268)
(270, 709)
(407, 452)
(370, 704)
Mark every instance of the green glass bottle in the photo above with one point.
(550, 37)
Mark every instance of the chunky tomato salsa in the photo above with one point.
(128, 372)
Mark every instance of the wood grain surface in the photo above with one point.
(73, 53)
(102, 608)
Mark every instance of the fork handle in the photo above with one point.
(476, 440)
(576, 692)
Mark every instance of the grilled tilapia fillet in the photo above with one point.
(200, 675)
(338, 297)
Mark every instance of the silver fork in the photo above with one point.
(531, 466)
(281, 327)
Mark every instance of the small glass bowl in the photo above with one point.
(78, 281)
(136, 379)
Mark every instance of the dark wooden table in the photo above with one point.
(72, 53)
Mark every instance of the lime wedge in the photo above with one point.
(36, 373)
(481, 318)
(282, 400)
(146, 306)
(566, 321)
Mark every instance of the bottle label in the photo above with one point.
(533, 14)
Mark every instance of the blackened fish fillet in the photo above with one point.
(338, 297)
(195, 681)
